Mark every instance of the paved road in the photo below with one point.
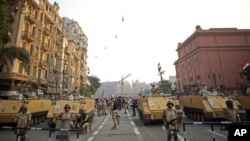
(130, 128)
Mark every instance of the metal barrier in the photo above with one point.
(47, 129)
(212, 126)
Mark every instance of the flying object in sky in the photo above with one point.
(123, 18)
(105, 48)
(116, 36)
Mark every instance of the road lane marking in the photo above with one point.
(90, 138)
(132, 123)
(136, 131)
(100, 127)
(218, 134)
(96, 132)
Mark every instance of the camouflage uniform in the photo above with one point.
(230, 113)
(114, 114)
(125, 105)
(173, 127)
(23, 121)
(64, 122)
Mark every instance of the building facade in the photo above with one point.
(213, 57)
(73, 31)
(56, 60)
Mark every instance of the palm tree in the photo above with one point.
(9, 53)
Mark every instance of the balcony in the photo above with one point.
(44, 47)
(77, 56)
(67, 50)
(34, 60)
(31, 18)
(46, 31)
(16, 76)
(66, 62)
(58, 41)
(28, 36)
(43, 65)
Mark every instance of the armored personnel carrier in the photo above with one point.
(9, 110)
(208, 107)
(151, 108)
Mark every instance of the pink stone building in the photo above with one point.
(214, 57)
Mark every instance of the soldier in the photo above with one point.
(104, 107)
(83, 119)
(170, 121)
(23, 121)
(99, 108)
(125, 104)
(113, 110)
(65, 122)
(230, 113)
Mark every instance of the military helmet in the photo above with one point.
(67, 106)
(170, 102)
(24, 106)
(229, 103)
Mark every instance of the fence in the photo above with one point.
(51, 130)
(211, 126)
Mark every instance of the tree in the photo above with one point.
(165, 86)
(5, 22)
(9, 53)
(91, 89)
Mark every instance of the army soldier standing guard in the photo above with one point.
(171, 122)
(24, 119)
(64, 121)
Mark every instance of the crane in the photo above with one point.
(121, 81)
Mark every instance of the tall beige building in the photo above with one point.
(73, 31)
(58, 62)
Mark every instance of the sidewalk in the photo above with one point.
(126, 130)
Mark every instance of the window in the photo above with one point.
(31, 49)
(75, 30)
(34, 71)
(28, 70)
(21, 65)
(46, 75)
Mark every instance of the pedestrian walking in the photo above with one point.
(114, 111)
(134, 106)
(171, 121)
(125, 104)
(23, 121)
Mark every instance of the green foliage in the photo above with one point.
(165, 86)
(88, 90)
(9, 53)
(5, 26)
(189, 87)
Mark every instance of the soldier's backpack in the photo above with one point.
(116, 105)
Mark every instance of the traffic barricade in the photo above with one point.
(223, 123)
(51, 130)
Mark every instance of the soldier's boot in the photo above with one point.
(169, 136)
(125, 112)
(114, 127)
(175, 136)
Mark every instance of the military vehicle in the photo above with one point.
(9, 110)
(208, 107)
(151, 108)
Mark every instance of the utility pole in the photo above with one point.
(121, 81)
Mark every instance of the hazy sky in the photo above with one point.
(149, 33)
